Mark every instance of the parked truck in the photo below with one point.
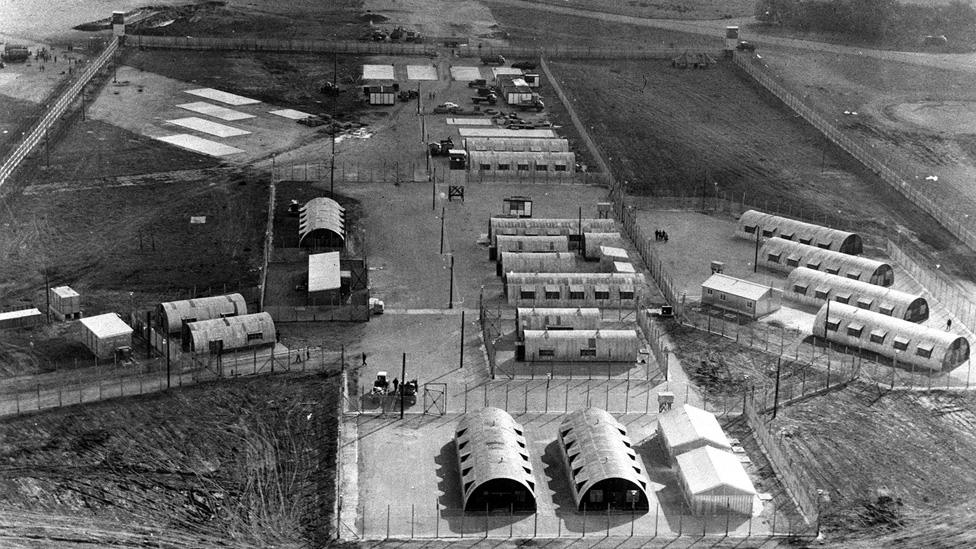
(492, 60)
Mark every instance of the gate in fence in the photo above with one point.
(435, 398)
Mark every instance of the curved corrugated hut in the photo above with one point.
(556, 318)
(593, 241)
(229, 334)
(771, 225)
(902, 341)
(535, 262)
(493, 460)
(815, 288)
(322, 220)
(170, 315)
(516, 144)
(580, 345)
(521, 243)
(535, 226)
(784, 255)
(604, 469)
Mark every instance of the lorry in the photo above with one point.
(492, 60)
(478, 83)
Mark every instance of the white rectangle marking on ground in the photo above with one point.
(223, 97)
(378, 72)
(290, 113)
(421, 72)
(470, 121)
(506, 71)
(465, 74)
(215, 111)
(207, 126)
(199, 144)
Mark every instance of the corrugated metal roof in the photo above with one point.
(872, 321)
(806, 254)
(576, 278)
(106, 325)
(22, 313)
(836, 285)
(201, 308)
(233, 331)
(515, 157)
(524, 312)
(502, 132)
(597, 448)
(736, 286)
(516, 144)
(708, 469)
(64, 292)
(491, 445)
(321, 214)
(796, 230)
(623, 267)
(613, 252)
(688, 424)
(323, 272)
(581, 334)
(539, 262)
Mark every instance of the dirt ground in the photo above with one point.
(249, 460)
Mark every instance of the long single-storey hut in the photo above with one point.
(23, 318)
(580, 345)
(738, 296)
(771, 226)
(783, 255)
(564, 318)
(493, 460)
(535, 262)
(901, 341)
(522, 164)
(605, 472)
(687, 428)
(812, 287)
(515, 144)
(616, 290)
(521, 243)
(171, 315)
(534, 226)
(229, 334)
(714, 482)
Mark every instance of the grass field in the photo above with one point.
(248, 460)
(657, 9)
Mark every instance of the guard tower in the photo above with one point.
(518, 206)
(731, 40)
(118, 24)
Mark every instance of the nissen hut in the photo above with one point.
(566, 318)
(171, 315)
(521, 243)
(772, 226)
(815, 288)
(229, 334)
(493, 460)
(535, 262)
(784, 256)
(580, 345)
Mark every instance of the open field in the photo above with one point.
(247, 460)
(655, 9)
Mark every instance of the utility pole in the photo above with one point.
(776, 393)
(403, 381)
(47, 292)
(461, 359)
(442, 229)
(755, 262)
(335, 100)
(450, 303)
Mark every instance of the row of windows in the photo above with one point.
(767, 233)
(861, 302)
(522, 167)
(723, 297)
(530, 294)
(878, 337)
(815, 265)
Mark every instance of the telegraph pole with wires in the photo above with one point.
(335, 100)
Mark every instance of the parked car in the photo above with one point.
(746, 46)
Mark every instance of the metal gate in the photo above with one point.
(435, 398)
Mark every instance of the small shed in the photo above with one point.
(321, 223)
(24, 318)
(580, 345)
(812, 287)
(687, 428)
(565, 318)
(323, 272)
(738, 296)
(901, 341)
(535, 262)
(714, 482)
(611, 254)
(772, 226)
(229, 334)
(171, 315)
(65, 303)
(521, 243)
(493, 460)
(605, 472)
(592, 241)
(623, 267)
(105, 334)
(784, 255)
(522, 165)
(617, 290)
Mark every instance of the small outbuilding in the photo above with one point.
(229, 334)
(105, 334)
(617, 290)
(518, 243)
(811, 287)
(605, 472)
(565, 318)
(579, 346)
(687, 428)
(738, 296)
(592, 242)
(321, 223)
(171, 315)
(783, 255)
(493, 460)
(65, 303)
(714, 482)
(323, 272)
(623, 267)
(773, 226)
(24, 318)
(535, 262)
(901, 341)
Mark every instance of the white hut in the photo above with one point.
(784, 255)
(899, 340)
(772, 226)
(229, 334)
(617, 290)
(23, 318)
(815, 288)
(610, 255)
(566, 318)
(687, 428)
(65, 302)
(535, 262)
(105, 334)
(580, 345)
(714, 482)
(738, 296)
(534, 226)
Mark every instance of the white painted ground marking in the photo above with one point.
(199, 144)
(465, 74)
(378, 72)
(206, 126)
(421, 72)
(470, 121)
(290, 113)
(215, 111)
(223, 97)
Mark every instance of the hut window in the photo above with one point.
(461, 434)
(519, 245)
(626, 294)
(465, 471)
(721, 297)
(255, 336)
(587, 352)
(577, 292)
(924, 350)
(709, 290)
(541, 167)
(832, 324)
(591, 343)
(462, 445)
(547, 353)
(467, 485)
(559, 167)
(900, 343)
(854, 330)
(854, 275)
(786, 236)
(878, 336)
(552, 292)
(602, 292)
(596, 496)
(517, 431)
(815, 265)
(824, 245)
(832, 270)
(527, 470)
(503, 167)
(793, 261)
(465, 457)
(820, 293)
(579, 486)
(749, 304)
(521, 444)
(864, 302)
(751, 229)
(485, 167)
(806, 241)
(767, 233)
(569, 444)
(522, 167)
(564, 434)
(527, 294)
(637, 469)
(886, 309)
(632, 496)
(773, 258)
(843, 298)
